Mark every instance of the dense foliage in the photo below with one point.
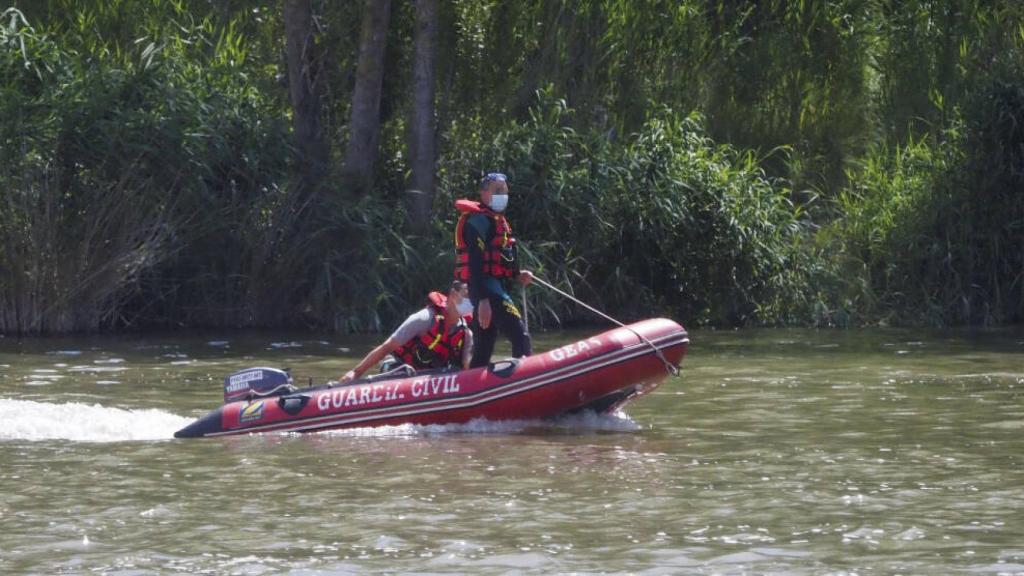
(933, 230)
(664, 220)
(722, 162)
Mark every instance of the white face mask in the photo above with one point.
(465, 307)
(499, 202)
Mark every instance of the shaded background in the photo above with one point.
(195, 163)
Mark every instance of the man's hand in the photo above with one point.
(525, 277)
(348, 377)
(484, 313)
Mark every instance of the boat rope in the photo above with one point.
(526, 310)
(288, 389)
(668, 365)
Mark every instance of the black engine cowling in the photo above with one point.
(256, 382)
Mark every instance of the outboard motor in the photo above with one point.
(256, 382)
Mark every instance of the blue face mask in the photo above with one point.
(465, 307)
(499, 202)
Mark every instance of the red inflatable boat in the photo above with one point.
(600, 373)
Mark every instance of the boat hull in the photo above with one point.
(600, 373)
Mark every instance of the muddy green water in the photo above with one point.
(781, 452)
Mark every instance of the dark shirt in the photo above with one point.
(476, 234)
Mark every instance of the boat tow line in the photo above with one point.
(657, 351)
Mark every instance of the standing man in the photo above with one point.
(485, 257)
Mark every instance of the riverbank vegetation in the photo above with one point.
(186, 163)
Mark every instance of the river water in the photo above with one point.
(775, 451)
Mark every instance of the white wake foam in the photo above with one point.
(28, 420)
(582, 422)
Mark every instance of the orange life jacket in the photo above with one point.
(498, 251)
(436, 348)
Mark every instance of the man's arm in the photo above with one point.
(414, 325)
(473, 234)
(375, 355)
(467, 348)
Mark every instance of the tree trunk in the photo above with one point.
(422, 138)
(266, 299)
(364, 123)
(304, 81)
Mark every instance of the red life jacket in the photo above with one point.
(498, 251)
(435, 348)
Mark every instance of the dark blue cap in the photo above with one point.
(493, 177)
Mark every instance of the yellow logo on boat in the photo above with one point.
(252, 412)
